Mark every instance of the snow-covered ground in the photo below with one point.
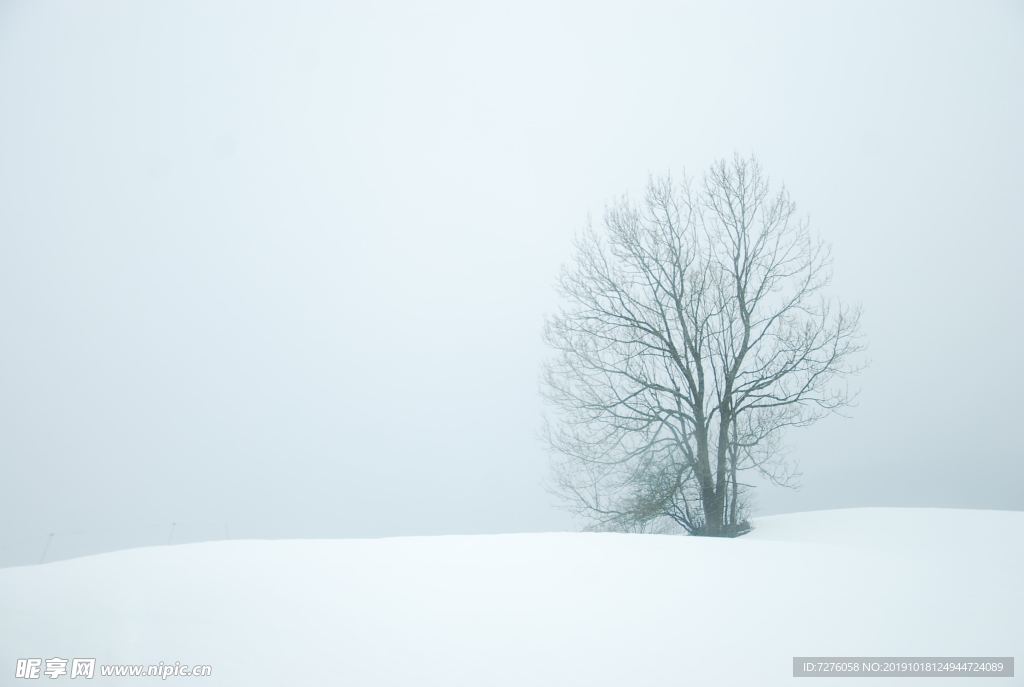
(535, 609)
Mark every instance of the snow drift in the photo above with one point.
(534, 609)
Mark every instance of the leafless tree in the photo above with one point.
(694, 330)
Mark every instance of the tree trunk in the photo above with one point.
(734, 502)
(714, 512)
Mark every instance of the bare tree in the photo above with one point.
(694, 331)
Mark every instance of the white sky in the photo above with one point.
(284, 265)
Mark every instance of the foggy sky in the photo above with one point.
(280, 269)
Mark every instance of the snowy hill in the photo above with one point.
(534, 609)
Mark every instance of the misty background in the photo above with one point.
(281, 269)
